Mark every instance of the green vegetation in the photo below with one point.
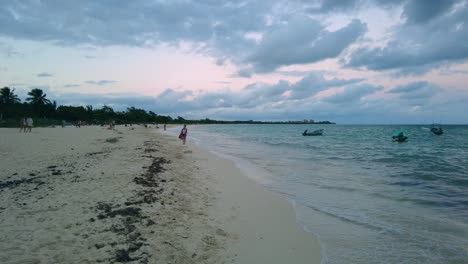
(47, 113)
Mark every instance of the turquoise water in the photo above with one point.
(368, 199)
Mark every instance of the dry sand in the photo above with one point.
(88, 195)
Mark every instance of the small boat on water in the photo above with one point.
(437, 130)
(314, 133)
(399, 136)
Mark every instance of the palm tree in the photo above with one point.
(39, 102)
(7, 98)
(37, 97)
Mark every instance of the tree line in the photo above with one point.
(47, 112)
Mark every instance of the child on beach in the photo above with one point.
(183, 134)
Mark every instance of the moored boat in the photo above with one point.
(399, 136)
(318, 132)
(437, 130)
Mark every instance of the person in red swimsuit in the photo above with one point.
(183, 134)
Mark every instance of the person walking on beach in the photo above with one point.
(23, 124)
(29, 123)
(164, 127)
(183, 134)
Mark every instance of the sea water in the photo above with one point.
(368, 199)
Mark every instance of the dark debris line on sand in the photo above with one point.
(34, 178)
(51, 170)
(130, 216)
(14, 183)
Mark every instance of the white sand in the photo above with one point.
(261, 225)
(69, 196)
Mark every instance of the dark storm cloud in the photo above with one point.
(125, 22)
(414, 11)
(434, 33)
(218, 29)
(418, 47)
(421, 11)
(302, 40)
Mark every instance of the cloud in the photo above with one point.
(228, 31)
(421, 11)
(44, 74)
(353, 93)
(286, 100)
(101, 82)
(262, 34)
(292, 72)
(302, 40)
(258, 94)
(416, 90)
(326, 6)
(430, 38)
(414, 11)
(448, 71)
(314, 83)
(132, 23)
(245, 73)
(347, 6)
(255, 98)
(251, 97)
(171, 96)
(71, 85)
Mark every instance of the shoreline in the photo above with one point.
(132, 194)
(254, 213)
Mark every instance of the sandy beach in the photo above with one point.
(89, 195)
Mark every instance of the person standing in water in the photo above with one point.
(183, 134)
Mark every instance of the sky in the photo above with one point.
(348, 61)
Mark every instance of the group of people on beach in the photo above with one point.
(26, 124)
